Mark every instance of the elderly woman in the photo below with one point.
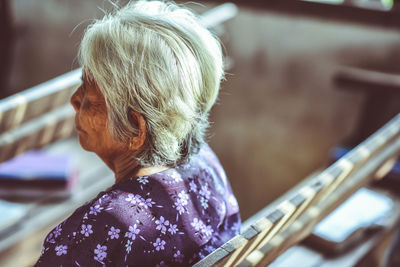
(151, 73)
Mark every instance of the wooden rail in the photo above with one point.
(323, 10)
(37, 116)
(351, 77)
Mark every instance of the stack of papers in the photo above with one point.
(362, 210)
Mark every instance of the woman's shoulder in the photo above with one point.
(168, 215)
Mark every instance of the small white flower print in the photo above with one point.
(57, 231)
(181, 202)
(50, 238)
(95, 209)
(86, 230)
(149, 202)
(100, 252)
(143, 180)
(176, 176)
(159, 244)
(183, 197)
(179, 206)
(193, 186)
(207, 230)
(204, 191)
(114, 232)
(197, 224)
(134, 199)
(128, 246)
(161, 224)
(60, 250)
(133, 231)
(204, 202)
(173, 229)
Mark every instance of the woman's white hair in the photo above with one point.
(155, 58)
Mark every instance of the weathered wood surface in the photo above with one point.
(36, 101)
(37, 116)
(363, 79)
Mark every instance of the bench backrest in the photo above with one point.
(42, 114)
(36, 117)
(295, 215)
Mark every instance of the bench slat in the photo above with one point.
(37, 133)
(36, 101)
(304, 226)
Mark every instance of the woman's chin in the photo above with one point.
(84, 143)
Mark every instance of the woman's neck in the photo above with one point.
(125, 166)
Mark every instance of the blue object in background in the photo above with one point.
(36, 165)
(392, 176)
(37, 174)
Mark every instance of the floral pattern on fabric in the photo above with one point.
(171, 218)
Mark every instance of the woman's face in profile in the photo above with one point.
(91, 119)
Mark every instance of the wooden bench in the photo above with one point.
(41, 117)
(292, 217)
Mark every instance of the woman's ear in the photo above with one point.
(137, 142)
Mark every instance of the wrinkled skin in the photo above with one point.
(91, 121)
(91, 125)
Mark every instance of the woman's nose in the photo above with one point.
(75, 100)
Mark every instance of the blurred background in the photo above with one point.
(282, 108)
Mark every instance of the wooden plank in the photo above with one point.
(305, 225)
(218, 15)
(37, 133)
(31, 103)
(363, 79)
(264, 228)
(326, 11)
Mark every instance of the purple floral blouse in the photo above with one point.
(171, 218)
